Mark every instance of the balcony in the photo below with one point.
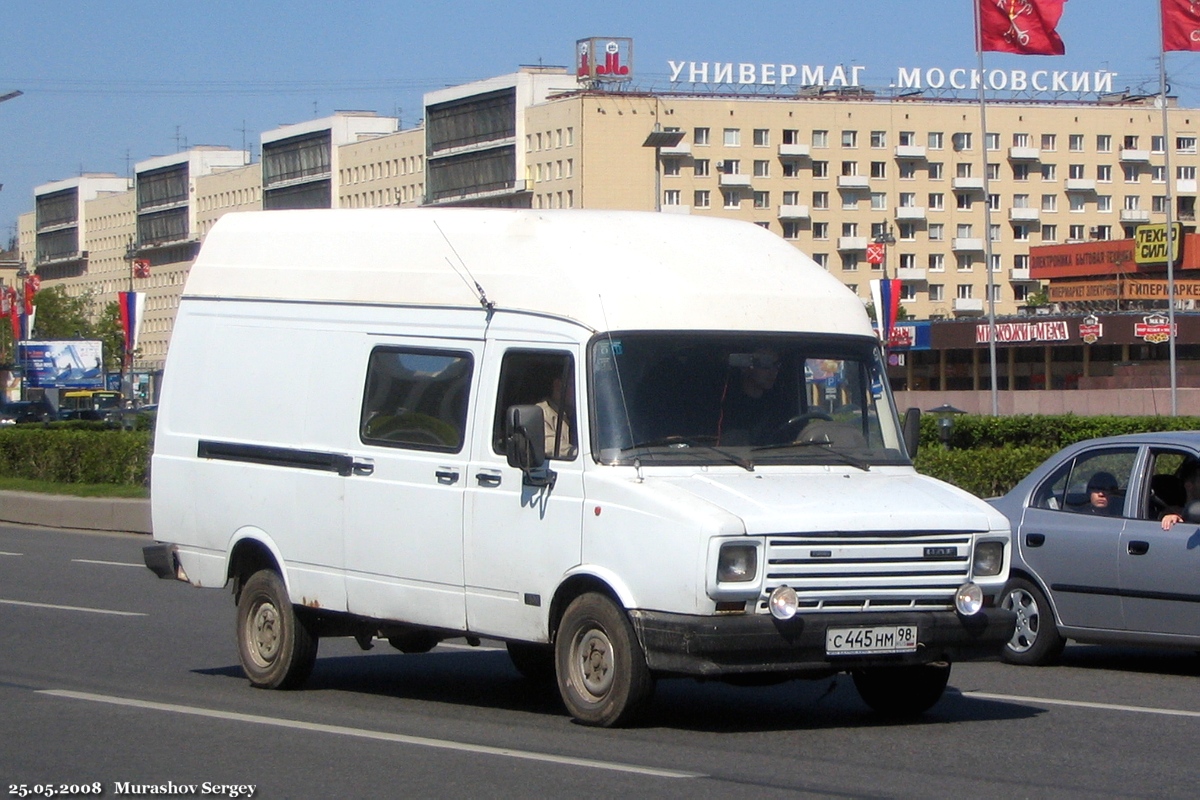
(793, 151)
(681, 149)
(1019, 274)
(1080, 185)
(1024, 154)
(1185, 185)
(676, 209)
(854, 182)
(910, 213)
(1135, 215)
(914, 151)
(734, 180)
(1131, 156)
(793, 212)
(966, 245)
(850, 243)
(968, 305)
(1024, 215)
(913, 275)
(968, 184)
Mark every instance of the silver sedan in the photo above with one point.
(1104, 547)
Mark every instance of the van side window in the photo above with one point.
(537, 377)
(416, 398)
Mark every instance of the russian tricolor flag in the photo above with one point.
(131, 305)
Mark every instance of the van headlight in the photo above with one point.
(989, 559)
(737, 563)
(968, 600)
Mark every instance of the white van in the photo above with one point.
(629, 445)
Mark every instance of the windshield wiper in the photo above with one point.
(681, 442)
(826, 446)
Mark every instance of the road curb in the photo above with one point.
(118, 514)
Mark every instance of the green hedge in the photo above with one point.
(989, 455)
(82, 455)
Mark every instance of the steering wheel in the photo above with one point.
(789, 430)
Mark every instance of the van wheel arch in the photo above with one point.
(248, 557)
(574, 587)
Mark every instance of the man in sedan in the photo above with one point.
(1102, 489)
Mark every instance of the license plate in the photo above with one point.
(859, 641)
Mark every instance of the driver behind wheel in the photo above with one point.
(753, 404)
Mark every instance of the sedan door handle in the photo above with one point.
(488, 477)
(1137, 548)
(1035, 539)
(446, 475)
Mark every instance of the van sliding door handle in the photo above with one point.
(488, 478)
(363, 467)
(446, 475)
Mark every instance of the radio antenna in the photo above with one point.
(488, 305)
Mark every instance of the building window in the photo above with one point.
(820, 139)
(822, 260)
(1157, 144)
(935, 140)
(820, 200)
(908, 261)
(1132, 172)
(700, 168)
(937, 262)
(961, 141)
(820, 169)
(671, 197)
(1050, 202)
(908, 199)
(791, 230)
(878, 169)
(762, 199)
(1158, 204)
(733, 198)
(1020, 201)
(1103, 143)
(1075, 143)
(791, 168)
(791, 136)
(935, 170)
(1075, 233)
(791, 198)
(1020, 233)
(1104, 203)
(1104, 173)
(849, 168)
(908, 232)
(850, 201)
(730, 166)
(908, 291)
(1049, 142)
(1103, 232)
(1020, 172)
(962, 201)
(991, 141)
(1185, 173)
(1020, 140)
(937, 201)
(907, 138)
(1076, 202)
(878, 201)
(1075, 171)
(850, 229)
(937, 292)
(993, 202)
(1049, 233)
(850, 262)
(700, 136)
(965, 291)
(878, 139)
(849, 138)
(908, 170)
(670, 167)
(963, 231)
(820, 231)
(937, 232)
(963, 169)
(1049, 172)
(1185, 144)
(762, 169)
(762, 137)
(1158, 174)
(733, 137)
(700, 198)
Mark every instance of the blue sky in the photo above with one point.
(109, 83)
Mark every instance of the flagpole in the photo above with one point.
(987, 218)
(1170, 203)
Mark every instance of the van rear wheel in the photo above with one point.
(276, 647)
(602, 671)
(906, 691)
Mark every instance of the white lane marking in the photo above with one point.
(362, 733)
(74, 608)
(107, 563)
(1169, 712)
(2, 553)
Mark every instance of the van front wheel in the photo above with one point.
(276, 648)
(602, 672)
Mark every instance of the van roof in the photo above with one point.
(609, 270)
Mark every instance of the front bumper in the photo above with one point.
(161, 560)
(729, 645)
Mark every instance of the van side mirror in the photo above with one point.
(525, 444)
(912, 431)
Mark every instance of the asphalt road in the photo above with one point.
(115, 681)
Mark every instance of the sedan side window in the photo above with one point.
(1099, 482)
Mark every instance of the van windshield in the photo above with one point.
(732, 398)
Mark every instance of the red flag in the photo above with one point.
(32, 284)
(1180, 25)
(1025, 27)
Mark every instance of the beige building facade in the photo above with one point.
(833, 172)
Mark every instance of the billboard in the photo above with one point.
(72, 364)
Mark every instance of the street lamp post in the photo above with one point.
(22, 276)
(131, 252)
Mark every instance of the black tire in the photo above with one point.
(1036, 640)
(533, 661)
(276, 648)
(602, 672)
(902, 691)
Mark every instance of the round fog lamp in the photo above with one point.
(784, 603)
(968, 599)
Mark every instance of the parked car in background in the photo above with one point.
(26, 411)
(1091, 559)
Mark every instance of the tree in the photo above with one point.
(60, 316)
